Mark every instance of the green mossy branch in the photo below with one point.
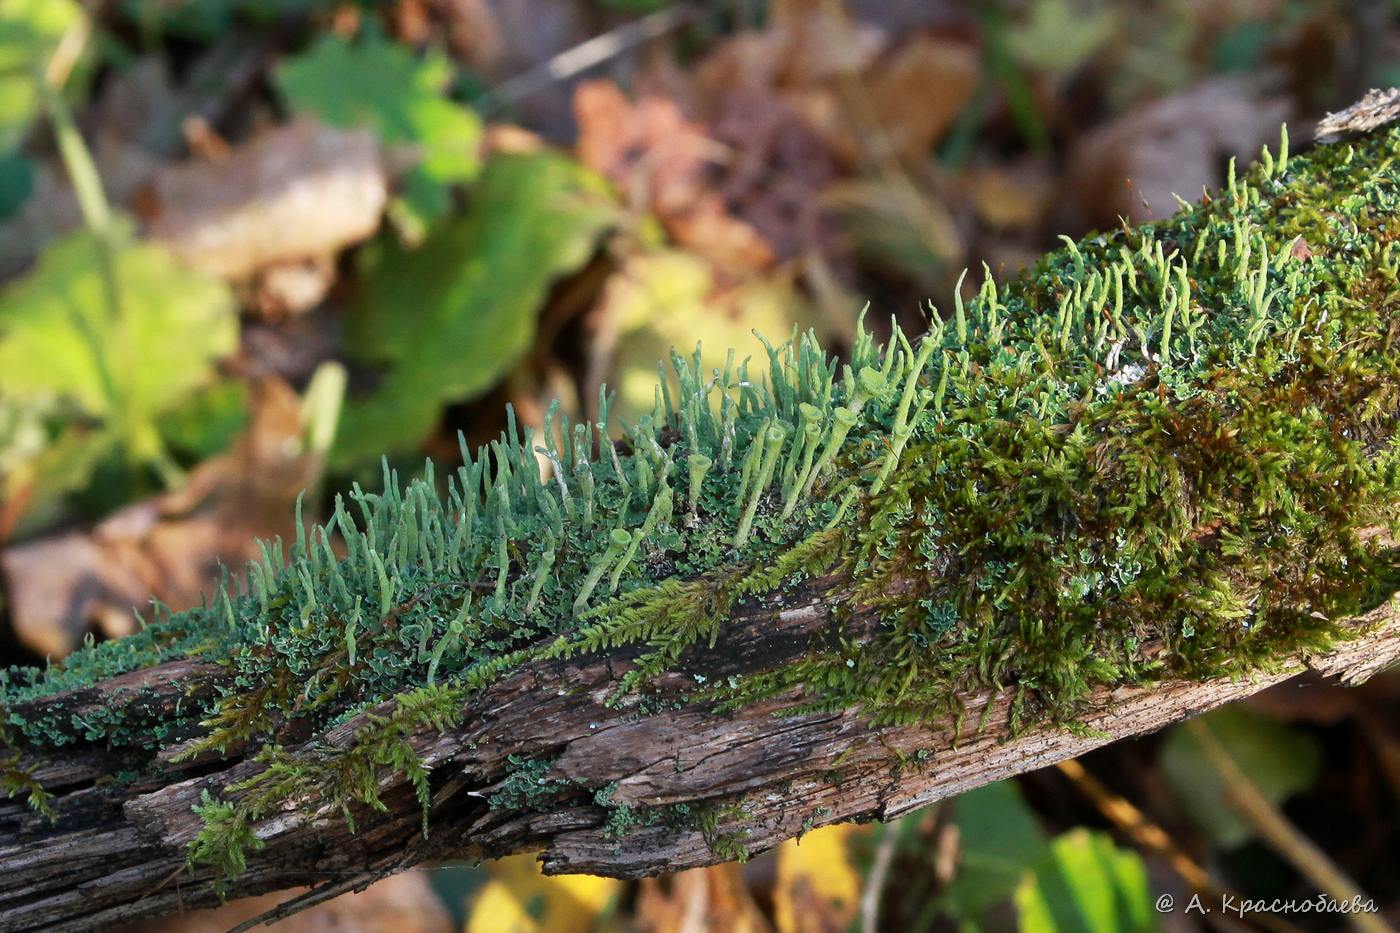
(1153, 455)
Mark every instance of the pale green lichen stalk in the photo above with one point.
(1150, 456)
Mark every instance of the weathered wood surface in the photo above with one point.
(118, 852)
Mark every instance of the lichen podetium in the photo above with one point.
(1152, 455)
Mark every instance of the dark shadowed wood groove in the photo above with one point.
(118, 852)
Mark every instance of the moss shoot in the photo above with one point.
(1154, 455)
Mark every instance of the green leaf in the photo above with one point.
(383, 86)
(1280, 760)
(16, 183)
(208, 421)
(60, 337)
(29, 31)
(453, 316)
(1087, 883)
(1001, 839)
(1059, 35)
(209, 19)
(635, 7)
(668, 299)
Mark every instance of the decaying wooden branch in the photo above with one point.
(119, 853)
(154, 811)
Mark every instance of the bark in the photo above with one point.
(117, 851)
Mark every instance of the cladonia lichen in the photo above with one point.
(1151, 456)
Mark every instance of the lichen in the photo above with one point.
(1152, 455)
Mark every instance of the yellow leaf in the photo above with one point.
(818, 888)
(669, 299)
(519, 898)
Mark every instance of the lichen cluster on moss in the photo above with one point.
(1150, 456)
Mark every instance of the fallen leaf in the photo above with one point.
(1059, 35)
(670, 299)
(1279, 760)
(1011, 197)
(913, 96)
(818, 886)
(998, 839)
(450, 318)
(770, 169)
(1174, 145)
(122, 350)
(299, 192)
(288, 288)
(896, 226)
(663, 163)
(701, 900)
(519, 898)
(404, 903)
(382, 86)
(803, 44)
(1087, 883)
(170, 546)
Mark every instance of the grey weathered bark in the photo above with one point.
(117, 852)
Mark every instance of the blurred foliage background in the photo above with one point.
(248, 246)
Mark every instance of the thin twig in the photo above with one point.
(1152, 837)
(1135, 823)
(588, 54)
(66, 54)
(1281, 835)
(82, 171)
(875, 880)
(309, 899)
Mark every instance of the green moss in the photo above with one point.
(18, 778)
(224, 841)
(1150, 456)
(716, 823)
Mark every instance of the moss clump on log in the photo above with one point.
(1155, 455)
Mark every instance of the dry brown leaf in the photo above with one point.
(402, 903)
(836, 71)
(897, 226)
(774, 170)
(169, 546)
(1175, 145)
(301, 191)
(804, 57)
(663, 163)
(818, 886)
(292, 287)
(1011, 197)
(805, 43)
(912, 97)
(702, 900)
(900, 17)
